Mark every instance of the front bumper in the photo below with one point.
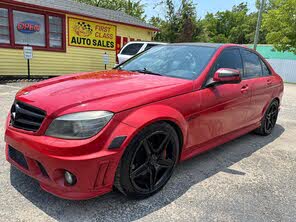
(46, 160)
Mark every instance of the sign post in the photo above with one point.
(106, 59)
(28, 55)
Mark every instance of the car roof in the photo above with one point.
(148, 42)
(213, 45)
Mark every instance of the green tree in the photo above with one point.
(134, 8)
(234, 26)
(170, 27)
(159, 23)
(187, 26)
(269, 4)
(179, 25)
(280, 21)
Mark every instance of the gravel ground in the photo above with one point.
(249, 179)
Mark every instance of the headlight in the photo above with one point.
(79, 125)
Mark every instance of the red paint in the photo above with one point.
(118, 47)
(207, 117)
(124, 41)
(28, 27)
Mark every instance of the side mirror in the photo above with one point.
(225, 75)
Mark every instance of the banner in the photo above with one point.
(84, 33)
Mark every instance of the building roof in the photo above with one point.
(91, 11)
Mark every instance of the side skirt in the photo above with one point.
(193, 151)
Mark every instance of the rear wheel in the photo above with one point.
(269, 120)
(148, 161)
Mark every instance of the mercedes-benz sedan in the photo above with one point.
(82, 135)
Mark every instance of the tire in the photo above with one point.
(269, 120)
(148, 162)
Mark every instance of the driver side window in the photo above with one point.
(229, 58)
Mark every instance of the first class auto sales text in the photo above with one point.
(93, 42)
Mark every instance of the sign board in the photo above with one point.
(28, 27)
(84, 33)
(106, 58)
(28, 52)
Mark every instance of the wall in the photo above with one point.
(76, 59)
(285, 68)
(284, 63)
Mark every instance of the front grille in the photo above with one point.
(17, 157)
(26, 117)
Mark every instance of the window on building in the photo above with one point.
(252, 64)
(55, 32)
(29, 28)
(4, 26)
(41, 30)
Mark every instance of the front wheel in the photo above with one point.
(269, 120)
(148, 161)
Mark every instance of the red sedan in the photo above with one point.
(81, 135)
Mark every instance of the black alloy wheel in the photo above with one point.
(152, 162)
(271, 117)
(269, 120)
(149, 161)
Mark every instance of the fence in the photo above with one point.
(285, 68)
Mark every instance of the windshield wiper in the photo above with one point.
(145, 71)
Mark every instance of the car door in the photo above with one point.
(260, 83)
(223, 107)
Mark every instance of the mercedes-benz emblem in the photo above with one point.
(13, 115)
(14, 112)
(26, 93)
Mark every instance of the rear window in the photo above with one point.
(149, 46)
(132, 49)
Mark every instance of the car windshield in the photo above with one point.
(181, 61)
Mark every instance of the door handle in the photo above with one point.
(244, 89)
(269, 82)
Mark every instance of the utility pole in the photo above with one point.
(258, 24)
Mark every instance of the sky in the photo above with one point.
(203, 6)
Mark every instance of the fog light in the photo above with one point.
(70, 178)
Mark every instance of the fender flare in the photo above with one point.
(142, 117)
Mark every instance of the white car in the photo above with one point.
(133, 48)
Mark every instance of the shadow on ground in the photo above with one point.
(116, 207)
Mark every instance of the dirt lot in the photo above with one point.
(249, 179)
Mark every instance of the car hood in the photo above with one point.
(113, 90)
